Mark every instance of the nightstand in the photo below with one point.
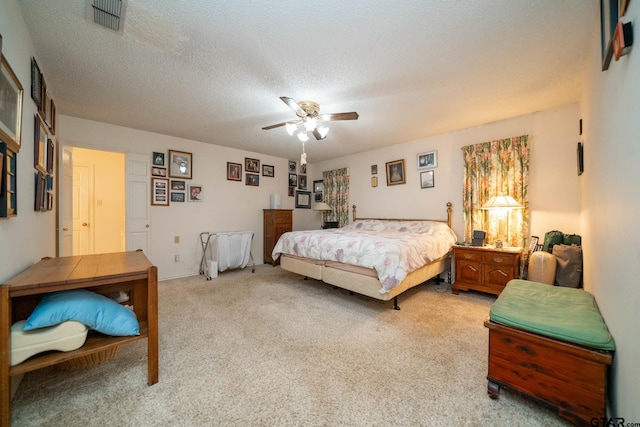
(485, 269)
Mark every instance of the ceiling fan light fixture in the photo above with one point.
(323, 131)
(302, 136)
(310, 124)
(291, 128)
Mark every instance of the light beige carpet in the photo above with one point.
(272, 349)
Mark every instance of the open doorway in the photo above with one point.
(93, 201)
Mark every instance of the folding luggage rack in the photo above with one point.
(241, 260)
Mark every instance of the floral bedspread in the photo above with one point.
(392, 248)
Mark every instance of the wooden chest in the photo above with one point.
(568, 377)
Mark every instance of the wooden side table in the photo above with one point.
(103, 274)
(485, 269)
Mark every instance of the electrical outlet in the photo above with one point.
(176, 258)
(176, 239)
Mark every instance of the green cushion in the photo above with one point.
(566, 314)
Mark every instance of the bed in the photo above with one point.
(376, 257)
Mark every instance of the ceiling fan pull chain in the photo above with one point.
(303, 156)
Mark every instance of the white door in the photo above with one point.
(82, 212)
(66, 205)
(138, 202)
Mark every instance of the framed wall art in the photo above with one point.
(318, 186)
(427, 160)
(158, 171)
(39, 144)
(374, 169)
(293, 180)
(177, 197)
(178, 185)
(50, 155)
(268, 170)
(234, 171)
(52, 125)
(293, 166)
(36, 82)
(303, 199)
(252, 179)
(396, 172)
(158, 159)
(195, 193)
(180, 165)
(608, 21)
(580, 158)
(251, 165)
(302, 182)
(11, 114)
(427, 179)
(159, 192)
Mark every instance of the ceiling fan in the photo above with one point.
(309, 119)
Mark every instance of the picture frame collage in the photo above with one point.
(170, 172)
(44, 140)
(299, 185)
(396, 174)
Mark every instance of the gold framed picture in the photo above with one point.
(396, 172)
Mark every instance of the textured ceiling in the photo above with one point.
(213, 71)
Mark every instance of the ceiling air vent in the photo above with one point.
(108, 13)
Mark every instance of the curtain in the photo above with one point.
(490, 169)
(336, 195)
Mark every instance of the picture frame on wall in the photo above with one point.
(268, 170)
(177, 197)
(318, 186)
(427, 179)
(608, 21)
(158, 159)
(302, 182)
(196, 193)
(580, 158)
(159, 192)
(180, 164)
(291, 191)
(52, 125)
(178, 185)
(50, 155)
(252, 179)
(36, 82)
(427, 160)
(158, 171)
(11, 120)
(396, 172)
(293, 166)
(293, 180)
(234, 171)
(251, 165)
(303, 199)
(39, 144)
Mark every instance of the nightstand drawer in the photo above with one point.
(465, 255)
(498, 258)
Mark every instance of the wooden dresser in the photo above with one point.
(103, 274)
(485, 269)
(276, 223)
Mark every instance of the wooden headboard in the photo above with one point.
(448, 220)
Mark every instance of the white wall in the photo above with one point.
(610, 204)
(553, 187)
(227, 205)
(28, 237)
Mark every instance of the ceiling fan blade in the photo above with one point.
(293, 105)
(339, 116)
(317, 134)
(279, 124)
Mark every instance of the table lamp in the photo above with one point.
(501, 205)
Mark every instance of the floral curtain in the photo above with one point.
(490, 169)
(336, 195)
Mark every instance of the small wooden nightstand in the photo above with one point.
(485, 269)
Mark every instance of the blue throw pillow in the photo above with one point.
(96, 311)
